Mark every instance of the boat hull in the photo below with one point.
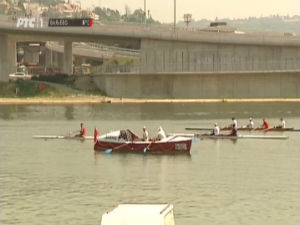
(178, 147)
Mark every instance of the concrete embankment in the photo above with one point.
(99, 100)
(220, 86)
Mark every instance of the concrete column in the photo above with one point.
(8, 57)
(31, 55)
(48, 58)
(68, 58)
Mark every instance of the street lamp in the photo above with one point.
(145, 16)
(174, 15)
(187, 19)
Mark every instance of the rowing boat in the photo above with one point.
(127, 141)
(248, 129)
(226, 136)
(46, 137)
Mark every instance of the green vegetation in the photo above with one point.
(26, 89)
(110, 15)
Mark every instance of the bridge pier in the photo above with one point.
(68, 58)
(8, 57)
(31, 55)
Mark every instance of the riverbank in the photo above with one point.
(90, 99)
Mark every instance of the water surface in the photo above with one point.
(221, 182)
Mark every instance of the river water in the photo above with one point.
(221, 182)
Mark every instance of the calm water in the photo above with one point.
(222, 182)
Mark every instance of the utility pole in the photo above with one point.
(145, 15)
(174, 15)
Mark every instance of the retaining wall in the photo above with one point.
(283, 84)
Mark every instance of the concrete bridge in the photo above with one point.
(162, 49)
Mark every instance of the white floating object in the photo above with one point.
(139, 214)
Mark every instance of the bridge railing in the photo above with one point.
(116, 69)
(292, 65)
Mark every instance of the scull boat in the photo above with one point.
(226, 136)
(46, 137)
(127, 141)
(248, 129)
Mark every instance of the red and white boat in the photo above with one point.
(127, 141)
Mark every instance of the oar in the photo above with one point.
(147, 148)
(109, 150)
(71, 133)
(199, 128)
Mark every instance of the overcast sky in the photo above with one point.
(163, 10)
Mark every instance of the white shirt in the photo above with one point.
(235, 123)
(283, 124)
(251, 124)
(161, 135)
(216, 130)
(145, 135)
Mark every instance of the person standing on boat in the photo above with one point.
(251, 123)
(265, 124)
(145, 134)
(82, 132)
(216, 130)
(282, 123)
(161, 134)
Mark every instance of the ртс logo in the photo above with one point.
(30, 22)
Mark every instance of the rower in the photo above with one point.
(161, 134)
(145, 134)
(234, 130)
(234, 123)
(265, 124)
(216, 130)
(251, 123)
(282, 123)
(82, 132)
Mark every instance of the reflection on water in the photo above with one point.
(69, 112)
(221, 182)
(160, 111)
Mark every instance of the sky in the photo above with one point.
(163, 10)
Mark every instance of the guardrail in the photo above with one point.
(203, 67)
(116, 69)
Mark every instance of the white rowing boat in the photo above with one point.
(46, 137)
(224, 136)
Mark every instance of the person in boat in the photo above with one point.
(161, 134)
(282, 123)
(145, 134)
(216, 130)
(265, 124)
(82, 132)
(233, 130)
(234, 123)
(250, 124)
